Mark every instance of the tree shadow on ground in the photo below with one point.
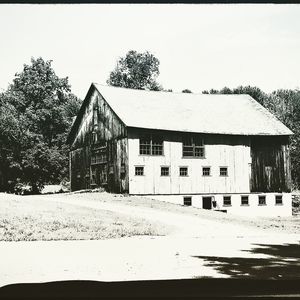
(282, 262)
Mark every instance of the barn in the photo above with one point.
(219, 152)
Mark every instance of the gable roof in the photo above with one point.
(203, 113)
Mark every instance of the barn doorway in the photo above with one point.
(206, 202)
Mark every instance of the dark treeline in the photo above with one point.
(285, 105)
(36, 112)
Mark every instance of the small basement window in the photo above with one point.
(187, 201)
(206, 171)
(226, 200)
(139, 171)
(183, 171)
(245, 200)
(165, 171)
(262, 200)
(223, 171)
(278, 200)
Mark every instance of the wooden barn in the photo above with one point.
(220, 152)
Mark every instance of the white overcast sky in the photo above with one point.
(199, 46)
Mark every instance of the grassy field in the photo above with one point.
(25, 218)
(277, 224)
(29, 218)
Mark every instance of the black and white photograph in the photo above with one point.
(150, 150)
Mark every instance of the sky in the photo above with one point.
(199, 46)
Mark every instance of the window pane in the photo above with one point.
(226, 200)
(164, 171)
(206, 171)
(183, 171)
(223, 171)
(199, 151)
(278, 199)
(157, 149)
(187, 201)
(193, 147)
(245, 200)
(188, 151)
(145, 149)
(261, 200)
(145, 146)
(139, 171)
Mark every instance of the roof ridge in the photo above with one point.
(152, 91)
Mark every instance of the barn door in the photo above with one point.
(206, 202)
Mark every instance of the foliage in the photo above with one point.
(186, 91)
(35, 115)
(137, 71)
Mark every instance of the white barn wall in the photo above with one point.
(236, 157)
(253, 209)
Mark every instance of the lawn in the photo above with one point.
(276, 224)
(30, 218)
(27, 218)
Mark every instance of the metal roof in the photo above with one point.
(203, 113)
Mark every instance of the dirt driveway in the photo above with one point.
(195, 248)
(184, 225)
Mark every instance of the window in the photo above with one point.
(223, 171)
(206, 171)
(244, 200)
(122, 171)
(93, 177)
(278, 199)
(261, 200)
(193, 147)
(139, 171)
(99, 155)
(103, 174)
(187, 201)
(183, 171)
(165, 171)
(227, 201)
(151, 145)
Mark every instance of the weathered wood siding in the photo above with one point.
(99, 132)
(270, 164)
(220, 150)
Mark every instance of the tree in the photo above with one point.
(136, 71)
(253, 91)
(285, 105)
(35, 116)
(187, 91)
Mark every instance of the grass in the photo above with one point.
(27, 218)
(276, 224)
(30, 219)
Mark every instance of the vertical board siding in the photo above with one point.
(99, 124)
(270, 165)
(230, 151)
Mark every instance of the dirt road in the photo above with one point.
(195, 248)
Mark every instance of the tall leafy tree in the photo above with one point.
(35, 116)
(137, 71)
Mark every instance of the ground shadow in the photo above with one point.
(216, 288)
(282, 262)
